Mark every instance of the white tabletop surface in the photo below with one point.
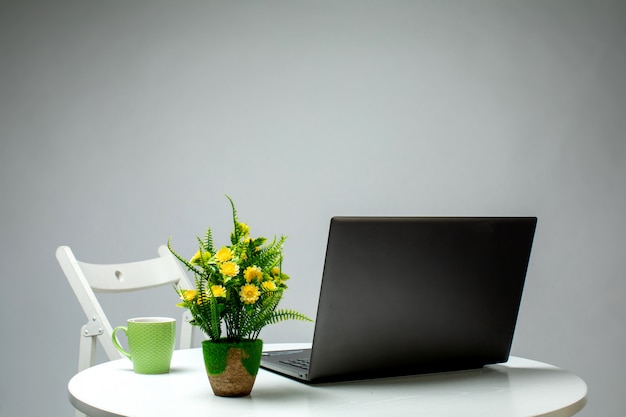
(520, 387)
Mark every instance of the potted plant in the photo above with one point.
(238, 288)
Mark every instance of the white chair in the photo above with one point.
(87, 279)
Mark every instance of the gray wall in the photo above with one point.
(125, 122)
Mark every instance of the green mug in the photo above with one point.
(150, 343)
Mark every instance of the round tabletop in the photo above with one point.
(519, 387)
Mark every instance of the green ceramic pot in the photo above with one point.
(232, 367)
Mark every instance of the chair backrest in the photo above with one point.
(86, 279)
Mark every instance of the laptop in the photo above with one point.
(413, 295)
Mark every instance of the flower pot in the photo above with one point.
(232, 367)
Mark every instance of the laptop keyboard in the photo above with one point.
(298, 363)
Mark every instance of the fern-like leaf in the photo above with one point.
(235, 235)
(287, 314)
(208, 241)
(183, 260)
(270, 255)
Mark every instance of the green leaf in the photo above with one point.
(189, 266)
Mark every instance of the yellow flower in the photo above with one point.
(195, 260)
(189, 295)
(275, 271)
(224, 255)
(252, 272)
(229, 269)
(218, 291)
(249, 293)
(269, 286)
(245, 229)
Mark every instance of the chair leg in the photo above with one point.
(86, 358)
(186, 331)
(86, 352)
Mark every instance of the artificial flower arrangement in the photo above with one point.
(237, 287)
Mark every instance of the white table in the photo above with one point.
(520, 387)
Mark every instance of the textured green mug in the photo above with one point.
(150, 343)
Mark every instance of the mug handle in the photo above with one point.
(117, 343)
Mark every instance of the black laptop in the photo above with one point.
(413, 295)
